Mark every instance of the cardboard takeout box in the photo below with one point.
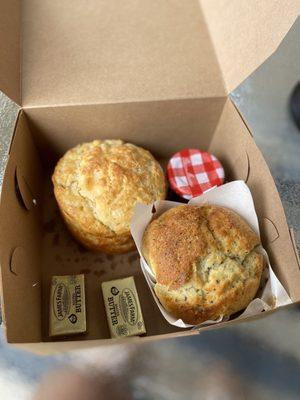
(155, 73)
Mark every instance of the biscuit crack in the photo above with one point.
(205, 271)
(91, 204)
(221, 247)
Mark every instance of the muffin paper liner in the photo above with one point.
(237, 197)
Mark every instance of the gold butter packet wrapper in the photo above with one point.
(67, 314)
(123, 309)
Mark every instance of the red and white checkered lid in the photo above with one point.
(192, 172)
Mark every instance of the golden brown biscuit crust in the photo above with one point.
(97, 185)
(204, 260)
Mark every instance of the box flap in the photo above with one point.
(101, 51)
(245, 33)
(10, 48)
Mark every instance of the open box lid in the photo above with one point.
(101, 51)
(10, 25)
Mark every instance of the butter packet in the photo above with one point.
(67, 314)
(123, 309)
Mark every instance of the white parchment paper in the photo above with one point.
(236, 196)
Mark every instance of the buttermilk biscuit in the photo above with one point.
(97, 185)
(205, 261)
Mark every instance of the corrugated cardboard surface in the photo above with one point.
(20, 240)
(149, 124)
(245, 33)
(56, 52)
(99, 51)
(10, 25)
